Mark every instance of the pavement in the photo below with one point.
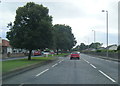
(87, 70)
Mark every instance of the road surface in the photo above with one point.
(87, 70)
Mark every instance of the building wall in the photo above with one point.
(0, 45)
(9, 49)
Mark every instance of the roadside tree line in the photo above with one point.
(97, 46)
(83, 46)
(33, 29)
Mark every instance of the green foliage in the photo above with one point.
(95, 45)
(83, 46)
(63, 37)
(118, 48)
(32, 28)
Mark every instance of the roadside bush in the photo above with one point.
(98, 50)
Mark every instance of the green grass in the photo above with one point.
(11, 65)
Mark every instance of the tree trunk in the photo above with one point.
(57, 51)
(29, 56)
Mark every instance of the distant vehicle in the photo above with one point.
(52, 53)
(37, 53)
(75, 55)
(45, 53)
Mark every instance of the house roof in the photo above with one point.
(5, 43)
(112, 46)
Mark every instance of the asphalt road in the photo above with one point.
(87, 70)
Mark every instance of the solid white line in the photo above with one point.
(54, 65)
(107, 76)
(42, 72)
(92, 65)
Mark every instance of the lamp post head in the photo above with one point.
(103, 10)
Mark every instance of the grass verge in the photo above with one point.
(12, 65)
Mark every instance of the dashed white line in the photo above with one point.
(92, 65)
(42, 72)
(107, 76)
(88, 62)
(55, 65)
(59, 61)
(21, 84)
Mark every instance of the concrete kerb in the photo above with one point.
(21, 70)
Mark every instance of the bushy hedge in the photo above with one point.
(106, 50)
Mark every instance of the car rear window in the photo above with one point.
(74, 53)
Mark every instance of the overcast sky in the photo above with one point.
(82, 15)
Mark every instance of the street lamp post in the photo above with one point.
(94, 36)
(106, 28)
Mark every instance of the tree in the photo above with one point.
(95, 45)
(118, 47)
(82, 46)
(32, 28)
(64, 39)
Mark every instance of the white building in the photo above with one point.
(112, 47)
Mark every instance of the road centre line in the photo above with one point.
(107, 76)
(59, 61)
(87, 61)
(42, 72)
(55, 65)
(21, 84)
(92, 65)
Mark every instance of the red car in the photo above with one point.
(37, 53)
(75, 55)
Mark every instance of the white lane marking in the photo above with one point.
(55, 65)
(59, 61)
(86, 61)
(107, 76)
(21, 84)
(42, 72)
(92, 65)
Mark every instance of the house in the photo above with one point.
(112, 47)
(0, 45)
(101, 48)
(6, 47)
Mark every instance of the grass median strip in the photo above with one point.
(11, 65)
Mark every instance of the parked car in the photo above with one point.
(52, 53)
(75, 55)
(37, 53)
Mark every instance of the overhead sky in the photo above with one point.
(82, 16)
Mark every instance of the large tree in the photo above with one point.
(64, 38)
(82, 46)
(32, 28)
